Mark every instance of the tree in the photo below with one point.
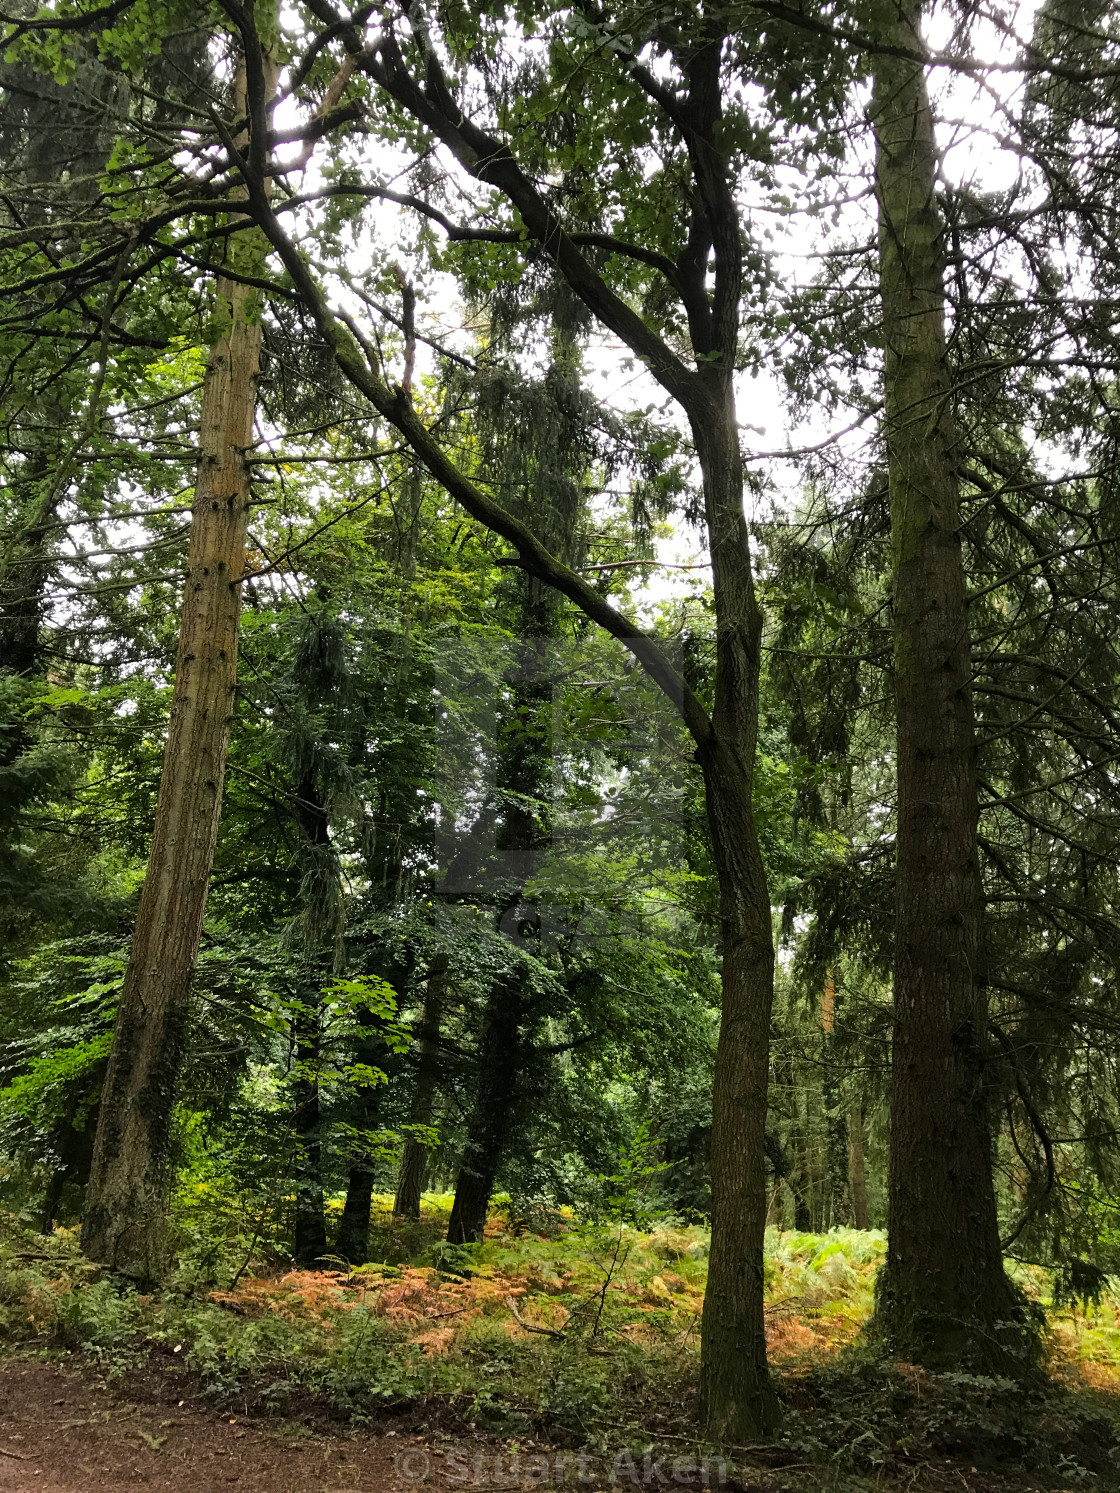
(967, 499)
(123, 1224)
(944, 1298)
(56, 138)
(700, 270)
(414, 1157)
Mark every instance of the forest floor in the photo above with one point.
(65, 1428)
(566, 1361)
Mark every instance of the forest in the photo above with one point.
(559, 739)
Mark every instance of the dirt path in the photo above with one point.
(65, 1429)
(63, 1432)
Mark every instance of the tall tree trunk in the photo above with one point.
(352, 1241)
(524, 781)
(944, 1299)
(838, 1202)
(318, 926)
(65, 136)
(836, 1189)
(802, 1215)
(857, 1167)
(414, 1162)
(126, 1198)
(309, 1230)
(499, 1067)
(737, 1397)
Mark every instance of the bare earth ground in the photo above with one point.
(64, 1429)
(61, 1431)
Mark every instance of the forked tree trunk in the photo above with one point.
(124, 1223)
(944, 1300)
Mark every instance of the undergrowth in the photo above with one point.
(586, 1335)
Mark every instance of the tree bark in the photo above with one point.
(736, 1392)
(857, 1168)
(524, 784)
(23, 580)
(499, 1067)
(944, 1300)
(802, 1216)
(352, 1241)
(309, 1230)
(126, 1198)
(837, 1196)
(414, 1162)
(66, 135)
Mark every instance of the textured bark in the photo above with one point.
(944, 1299)
(838, 1200)
(411, 1178)
(126, 1199)
(737, 1396)
(414, 1162)
(352, 1241)
(57, 137)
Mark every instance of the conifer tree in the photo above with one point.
(944, 1298)
(124, 1220)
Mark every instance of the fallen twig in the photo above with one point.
(528, 1326)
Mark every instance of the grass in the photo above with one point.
(579, 1336)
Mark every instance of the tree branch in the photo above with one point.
(396, 406)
